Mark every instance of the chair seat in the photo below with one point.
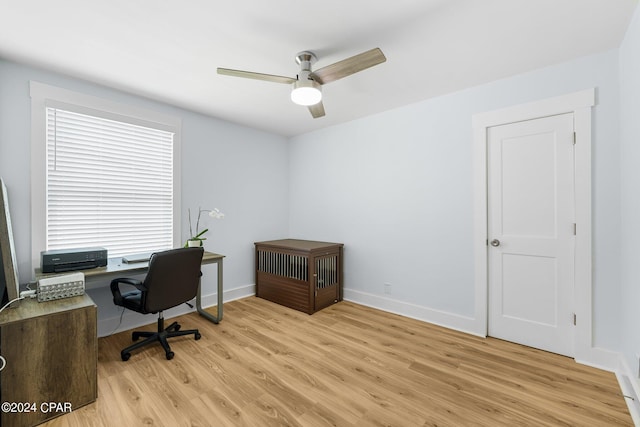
(133, 301)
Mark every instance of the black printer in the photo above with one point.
(61, 260)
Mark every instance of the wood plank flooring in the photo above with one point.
(346, 365)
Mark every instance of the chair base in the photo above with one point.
(173, 330)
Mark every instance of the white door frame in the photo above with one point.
(580, 104)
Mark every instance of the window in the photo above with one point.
(109, 177)
(109, 184)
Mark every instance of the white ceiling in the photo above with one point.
(169, 50)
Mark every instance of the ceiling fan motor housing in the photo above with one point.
(306, 91)
(305, 59)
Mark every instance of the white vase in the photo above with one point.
(194, 243)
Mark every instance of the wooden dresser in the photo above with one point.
(301, 274)
(51, 349)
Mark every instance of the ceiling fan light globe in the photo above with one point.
(306, 93)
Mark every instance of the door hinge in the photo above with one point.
(575, 229)
(574, 319)
(575, 138)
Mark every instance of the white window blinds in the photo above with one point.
(109, 184)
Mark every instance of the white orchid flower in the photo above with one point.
(215, 213)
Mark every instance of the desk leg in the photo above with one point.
(218, 318)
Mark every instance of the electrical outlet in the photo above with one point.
(387, 288)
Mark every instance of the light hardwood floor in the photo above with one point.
(347, 365)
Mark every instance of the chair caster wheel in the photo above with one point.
(177, 328)
(125, 356)
(135, 337)
(170, 355)
(198, 336)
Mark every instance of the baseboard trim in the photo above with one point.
(441, 318)
(598, 358)
(229, 295)
(132, 320)
(630, 389)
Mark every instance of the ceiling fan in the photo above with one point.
(307, 85)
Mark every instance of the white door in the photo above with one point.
(531, 232)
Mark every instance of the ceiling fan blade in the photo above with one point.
(256, 76)
(348, 66)
(316, 110)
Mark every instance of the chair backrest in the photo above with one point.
(173, 278)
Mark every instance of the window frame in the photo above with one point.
(43, 96)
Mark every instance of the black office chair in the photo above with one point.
(173, 278)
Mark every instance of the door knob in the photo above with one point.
(495, 243)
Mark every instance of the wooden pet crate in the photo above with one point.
(300, 274)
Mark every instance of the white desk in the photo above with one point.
(115, 266)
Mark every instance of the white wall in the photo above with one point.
(630, 162)
(396, 189)
(242, 171)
